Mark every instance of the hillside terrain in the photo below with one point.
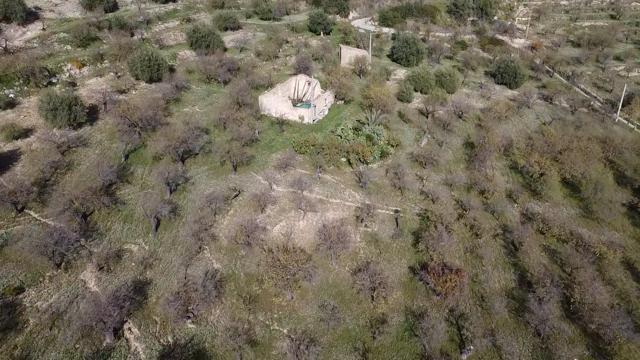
(472, 191)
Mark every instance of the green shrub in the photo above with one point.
(422, 80)
(163, 1)
(407, 50)
(62, 109)
(83, 35)
(398, 14)
(266, 10)
(448, 79)
(218, 4)
(485, 9)
(11, 132)
(461, 10)
(13, 11)
(508, 72)
(147, 64)
(7, 102)
(227, 21)
(335, 7)
(320, 23)
(90, 5)
(405, 92)
(377, 97)
(119, 23)
(204, 39)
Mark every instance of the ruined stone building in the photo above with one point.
(300, 98)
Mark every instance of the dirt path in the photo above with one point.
(379, 208)
(367, 24)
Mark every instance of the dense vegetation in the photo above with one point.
(148, 65)
(395, 15)
(469, 194)
(13, 11)
(407, 50)
(205, 39)
(62, 109)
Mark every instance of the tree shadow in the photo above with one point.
(11, 316)
(8, 159)
(93, 113)
(33, 15)
(184, 350)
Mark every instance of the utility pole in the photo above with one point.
(370, 45)
(621, 99)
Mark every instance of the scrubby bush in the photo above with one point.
(148, 64)
(335, 7)
(360, 65)
(461, 10)
(13, 131)
(448, 79)
(119, 23)
(7, 102)
(341, 83)
(227, 21)
(204, 39)
(62, 109)
(83, 35)
(219, 4)
(422, 80)
(320, 23)
(108, 6)
(219, 68)
(407, 50)
(13, 11)
(398, 14)
(508, 72)
(268, 11)
(303, 65)
(377, 96)
(90, 5)
(405, 92)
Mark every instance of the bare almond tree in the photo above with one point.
(156, 208)
(170, 175)
(334, 237)
(263, 199)
(370, 281)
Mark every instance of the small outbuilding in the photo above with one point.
(300, 98)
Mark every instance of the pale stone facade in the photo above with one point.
(348, 54)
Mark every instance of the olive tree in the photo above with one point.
(62, 109)
(147, 64)
(204, 39)
(407, 50)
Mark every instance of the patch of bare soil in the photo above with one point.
(297, 217)
(57, 8)
(242, 38)
(89, 276)
(25, 114)
(92, 90)
(168, 34)
(131, 334)
(18, 36)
